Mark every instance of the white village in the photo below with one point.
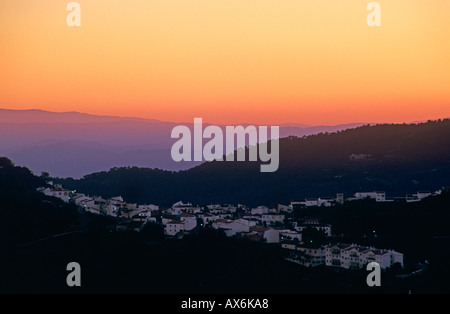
(263, 224)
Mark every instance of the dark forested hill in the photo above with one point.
(396, 158)
(26, 214)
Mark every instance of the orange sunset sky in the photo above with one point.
(229, 61)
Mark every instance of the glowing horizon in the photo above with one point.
(229, 61)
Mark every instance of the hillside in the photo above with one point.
(398, 159)
(217, 263)
(25, 214)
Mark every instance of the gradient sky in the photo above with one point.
(229, 61)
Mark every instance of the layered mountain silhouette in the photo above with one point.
(395, 158)
(72, 144)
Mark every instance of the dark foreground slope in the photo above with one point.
(25, 214)
(206, 262)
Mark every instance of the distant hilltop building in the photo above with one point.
(340, 198)
(319, 202)
(377, 196)
(417, 197)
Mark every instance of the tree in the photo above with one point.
(153, 231)
(6, 163)
(313, 237)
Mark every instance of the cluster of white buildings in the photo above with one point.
(378, 196)
(348, 256)
(259, 224)
(134, 215)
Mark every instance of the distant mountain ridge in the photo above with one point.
(43, 116)
(73, 144)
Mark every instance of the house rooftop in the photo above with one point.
(259, 228)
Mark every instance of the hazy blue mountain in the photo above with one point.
(73, 144)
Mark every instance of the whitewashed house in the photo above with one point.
(247, 222)
(308, 257)
(167, 218)
(291, 235)
(285, 208)
(377, 196)
(417, 197)
(174, 227)
(150, 207)
(326, 228)
(325, 202)
(271, 219)
(352, 256)
(112, 210)
(60, 193)
(80, 198)
(271, 235)
(230, 227)
(260, 210)
(143, 215)
(116, 200)
(218, 208)
(207, 218)
(190, 221)
(268, 235)
(91, 206)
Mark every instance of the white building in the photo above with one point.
(319, 226)
(260, 210)
(168, 218)
(284, 208)
(80, 198)
(221, 208)
(271, 219)
(291, 235)
(60, 193)
(268, 235)
(180, 207)
(112, 210)
(190, 221)
(377, 196)
(174, 227)
(144, 215)
(247, 222)
(354, 256)
(271, 235)
(417, 197)
(91, 206)
(150, 207)
(207, 218)
(310, 202)
(116, 200)
(230, 227)
(325, 202)
(308, 257)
